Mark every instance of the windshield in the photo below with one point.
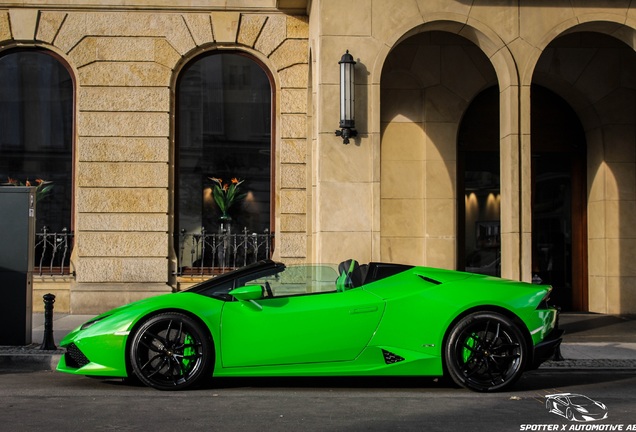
(276, 279)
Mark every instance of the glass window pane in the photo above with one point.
(224, 132)
(36, 126)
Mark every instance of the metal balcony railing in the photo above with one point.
(208, 254)
(53, 252)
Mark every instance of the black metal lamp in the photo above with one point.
(347, 98)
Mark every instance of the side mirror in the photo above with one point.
(248, 293)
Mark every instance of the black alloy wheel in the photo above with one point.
(171, 351)
(486, 351)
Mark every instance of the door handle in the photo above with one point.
(361, 310)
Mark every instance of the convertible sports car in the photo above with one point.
(379, 319)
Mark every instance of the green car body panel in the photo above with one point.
(395, 325)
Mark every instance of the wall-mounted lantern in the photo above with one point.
(347, 98)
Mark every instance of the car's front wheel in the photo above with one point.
(171, 351)
(485, 351)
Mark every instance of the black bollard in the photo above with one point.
(48, 343)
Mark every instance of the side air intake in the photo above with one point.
(390, 358)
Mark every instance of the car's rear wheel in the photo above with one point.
(171, 351)
(485, 351)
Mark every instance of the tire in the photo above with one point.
(171, 351)
(485, 351)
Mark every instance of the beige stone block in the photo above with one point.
(128, 74)
(430, 7)
(124, 99)
(403, 179)
(596, 175)
(120, 200)
(621, 295)
(392, 20)
(293, 201)
(364, 51)
(293, 223)
(620, 142)
(250, 28)
(48, 25)
(351, 18)
(293, 126)
(291, 52)
(443, 106)
(96, 298)
(510, 255)
(200, 26)
(336, 247)
(441, 218)
(596, 219)
(23, 23)
(343, 163)
(293, 151)
(122, 174)
(293, 101)
(597, 258)
(597, 294)
(92, 49)
(165, 54)
(403, 141)
(537, 24)
(118, 244)
(5, 27)
(59, 286)
(441, 144)
(403, 218)
(292, 245)
(110, 269)
(440, 179)
(295, 76)
(225, 26)
(619, 218)
(272, 35)
(140, 124)
(132, 222)
(293, 176)
(328, 118)
(345, 206)
(440, 252)
(620, 183)
(402, 105)
(403, 250)
(620, 257)
(297, 26)
(123, 149)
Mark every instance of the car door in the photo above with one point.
(292, 329)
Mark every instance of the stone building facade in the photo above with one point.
(489, 127)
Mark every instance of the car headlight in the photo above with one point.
(92, 322)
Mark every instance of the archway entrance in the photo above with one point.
(559, 222)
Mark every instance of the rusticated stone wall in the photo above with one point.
(125, 64)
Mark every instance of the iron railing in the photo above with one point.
(53, 252)
(206, 254)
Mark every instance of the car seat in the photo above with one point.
(350, 275)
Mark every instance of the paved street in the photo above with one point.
(46, 400)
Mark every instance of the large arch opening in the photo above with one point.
(224, 149)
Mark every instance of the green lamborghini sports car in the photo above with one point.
(268, 319)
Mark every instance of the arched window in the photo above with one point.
(223, 130)
(36, 131)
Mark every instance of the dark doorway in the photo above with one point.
(559, 217)
(479, 239)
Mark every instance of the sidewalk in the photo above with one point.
(591, 341)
